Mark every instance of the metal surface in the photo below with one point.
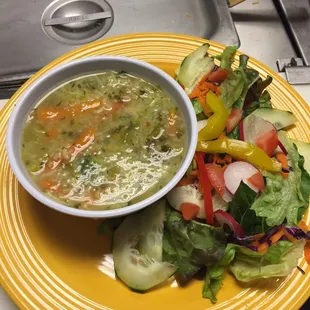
(298, 75)
(288, 62)
(297, 14)
(296, 17)
(77, 22)
(25, 47)
(295, 71)
(262, 33)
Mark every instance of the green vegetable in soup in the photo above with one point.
(104, 141)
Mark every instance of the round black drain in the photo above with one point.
(77, 22)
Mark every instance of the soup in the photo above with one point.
(103, 141)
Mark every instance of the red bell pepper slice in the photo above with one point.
(206, 188)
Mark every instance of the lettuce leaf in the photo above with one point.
(215, 274)
(256, 90)
(227, 57)
(240, 209)
(263, 102)
(213, 282)
(235, 133)
(280, 200)
(250, 77)
(197, 106)
(177, 247)
(232, 87)
(191, 245)
(278, 261)
(305, 179)
(235, 87)
(283, 198)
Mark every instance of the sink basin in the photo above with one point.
(32, 33)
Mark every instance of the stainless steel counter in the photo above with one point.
(261, 32)
(262, 36)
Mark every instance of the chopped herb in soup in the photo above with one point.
(103, 141)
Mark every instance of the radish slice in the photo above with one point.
(227, 196)
(241, 130)
(281, 146)
(237, 172)
(260, 132)
(255, 127)
(190, 194)
(223, 218)
(202, 124)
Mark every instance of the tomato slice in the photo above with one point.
(257, 180)
(233, 119)
(268, 142)
(218, 76)
(216, 177)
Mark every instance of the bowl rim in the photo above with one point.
(14, 158)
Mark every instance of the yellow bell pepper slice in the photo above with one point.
(216, 122)
(240, 150)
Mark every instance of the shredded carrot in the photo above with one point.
(85, 138)
(202, 101)
(187, 180)
(81, 143)
(258, 236)
(303, 226)
(195, 93)
(58, 113)
(263, 248)
(289, 236)
(203, 85)
(277, 236)
(48, 184)
(53, 133)
(284, 174)
(222, 136)
(280, 156)
(208, 85)
(204, 78)
(48, 113)
(255, 243)
(307, 252)
(189, 210)
(228, 158)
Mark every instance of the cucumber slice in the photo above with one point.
(137, 249)
(280, 119)
(194, 67)
(304, 150)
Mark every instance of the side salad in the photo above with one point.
(239, 207)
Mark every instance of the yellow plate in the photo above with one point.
(54, 261)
